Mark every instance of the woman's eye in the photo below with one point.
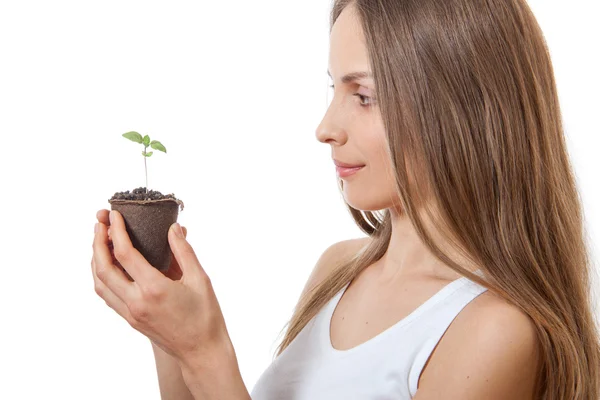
(362, 98)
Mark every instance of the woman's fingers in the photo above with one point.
(102, 217)
(108, 296)
(106, 270)
(174, 272)
(186, 258)
(130, 258)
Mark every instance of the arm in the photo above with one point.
(170, 379)
(215, 377)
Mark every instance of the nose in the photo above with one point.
(328, 130)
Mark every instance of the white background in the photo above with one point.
(235, 91)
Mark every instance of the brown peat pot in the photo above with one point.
(148, 217)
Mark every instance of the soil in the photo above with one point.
(140, 194)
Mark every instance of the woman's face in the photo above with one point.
(352, 124)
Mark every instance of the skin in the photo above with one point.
(357, 136)
(178, 312)
(153, 303)
(490, 349)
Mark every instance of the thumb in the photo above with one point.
(184, 254)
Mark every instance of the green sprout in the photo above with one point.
(155, 144)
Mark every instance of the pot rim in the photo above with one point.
(142, 202)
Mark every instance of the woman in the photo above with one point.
(474, 280)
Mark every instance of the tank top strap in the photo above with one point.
(433, 327)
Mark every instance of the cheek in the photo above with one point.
(373, 188)
(384, 176)
(382, 173)
(379, 158)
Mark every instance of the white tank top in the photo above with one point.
(385, 367)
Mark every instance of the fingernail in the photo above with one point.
(111, 216)
(177, 229)
(96, 228)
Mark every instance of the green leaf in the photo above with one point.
(148, 154)
(146, 140)
(133, 136)
(155, 144)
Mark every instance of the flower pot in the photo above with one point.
(148, 217)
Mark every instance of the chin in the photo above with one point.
(366, 200)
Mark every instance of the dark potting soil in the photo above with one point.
(140, 194)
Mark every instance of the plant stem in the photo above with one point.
(146, 169)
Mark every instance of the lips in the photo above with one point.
(346, 172)
(346, 165)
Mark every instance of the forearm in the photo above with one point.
(170, 379)
(216, 378)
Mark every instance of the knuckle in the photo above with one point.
(138, 310)
(120, 254)
(206, 283)
(152, 291)
(132, 321)
(100, 272)
(98, 289)
(205, 279)
(188, 251)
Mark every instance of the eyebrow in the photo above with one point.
(353, 76)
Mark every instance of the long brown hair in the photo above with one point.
(466, 90)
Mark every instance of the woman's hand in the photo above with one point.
(179, 312)
(174, 271)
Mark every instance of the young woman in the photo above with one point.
(473, 281)
(459, 134)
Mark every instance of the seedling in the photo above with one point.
(155, 144)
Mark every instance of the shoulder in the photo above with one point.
(343, 250)
(489, 351)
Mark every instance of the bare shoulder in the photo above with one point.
(342, 250)
(490, 351)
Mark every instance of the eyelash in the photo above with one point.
(362, 99)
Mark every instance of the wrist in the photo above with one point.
(220, 355)
(214, 375)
